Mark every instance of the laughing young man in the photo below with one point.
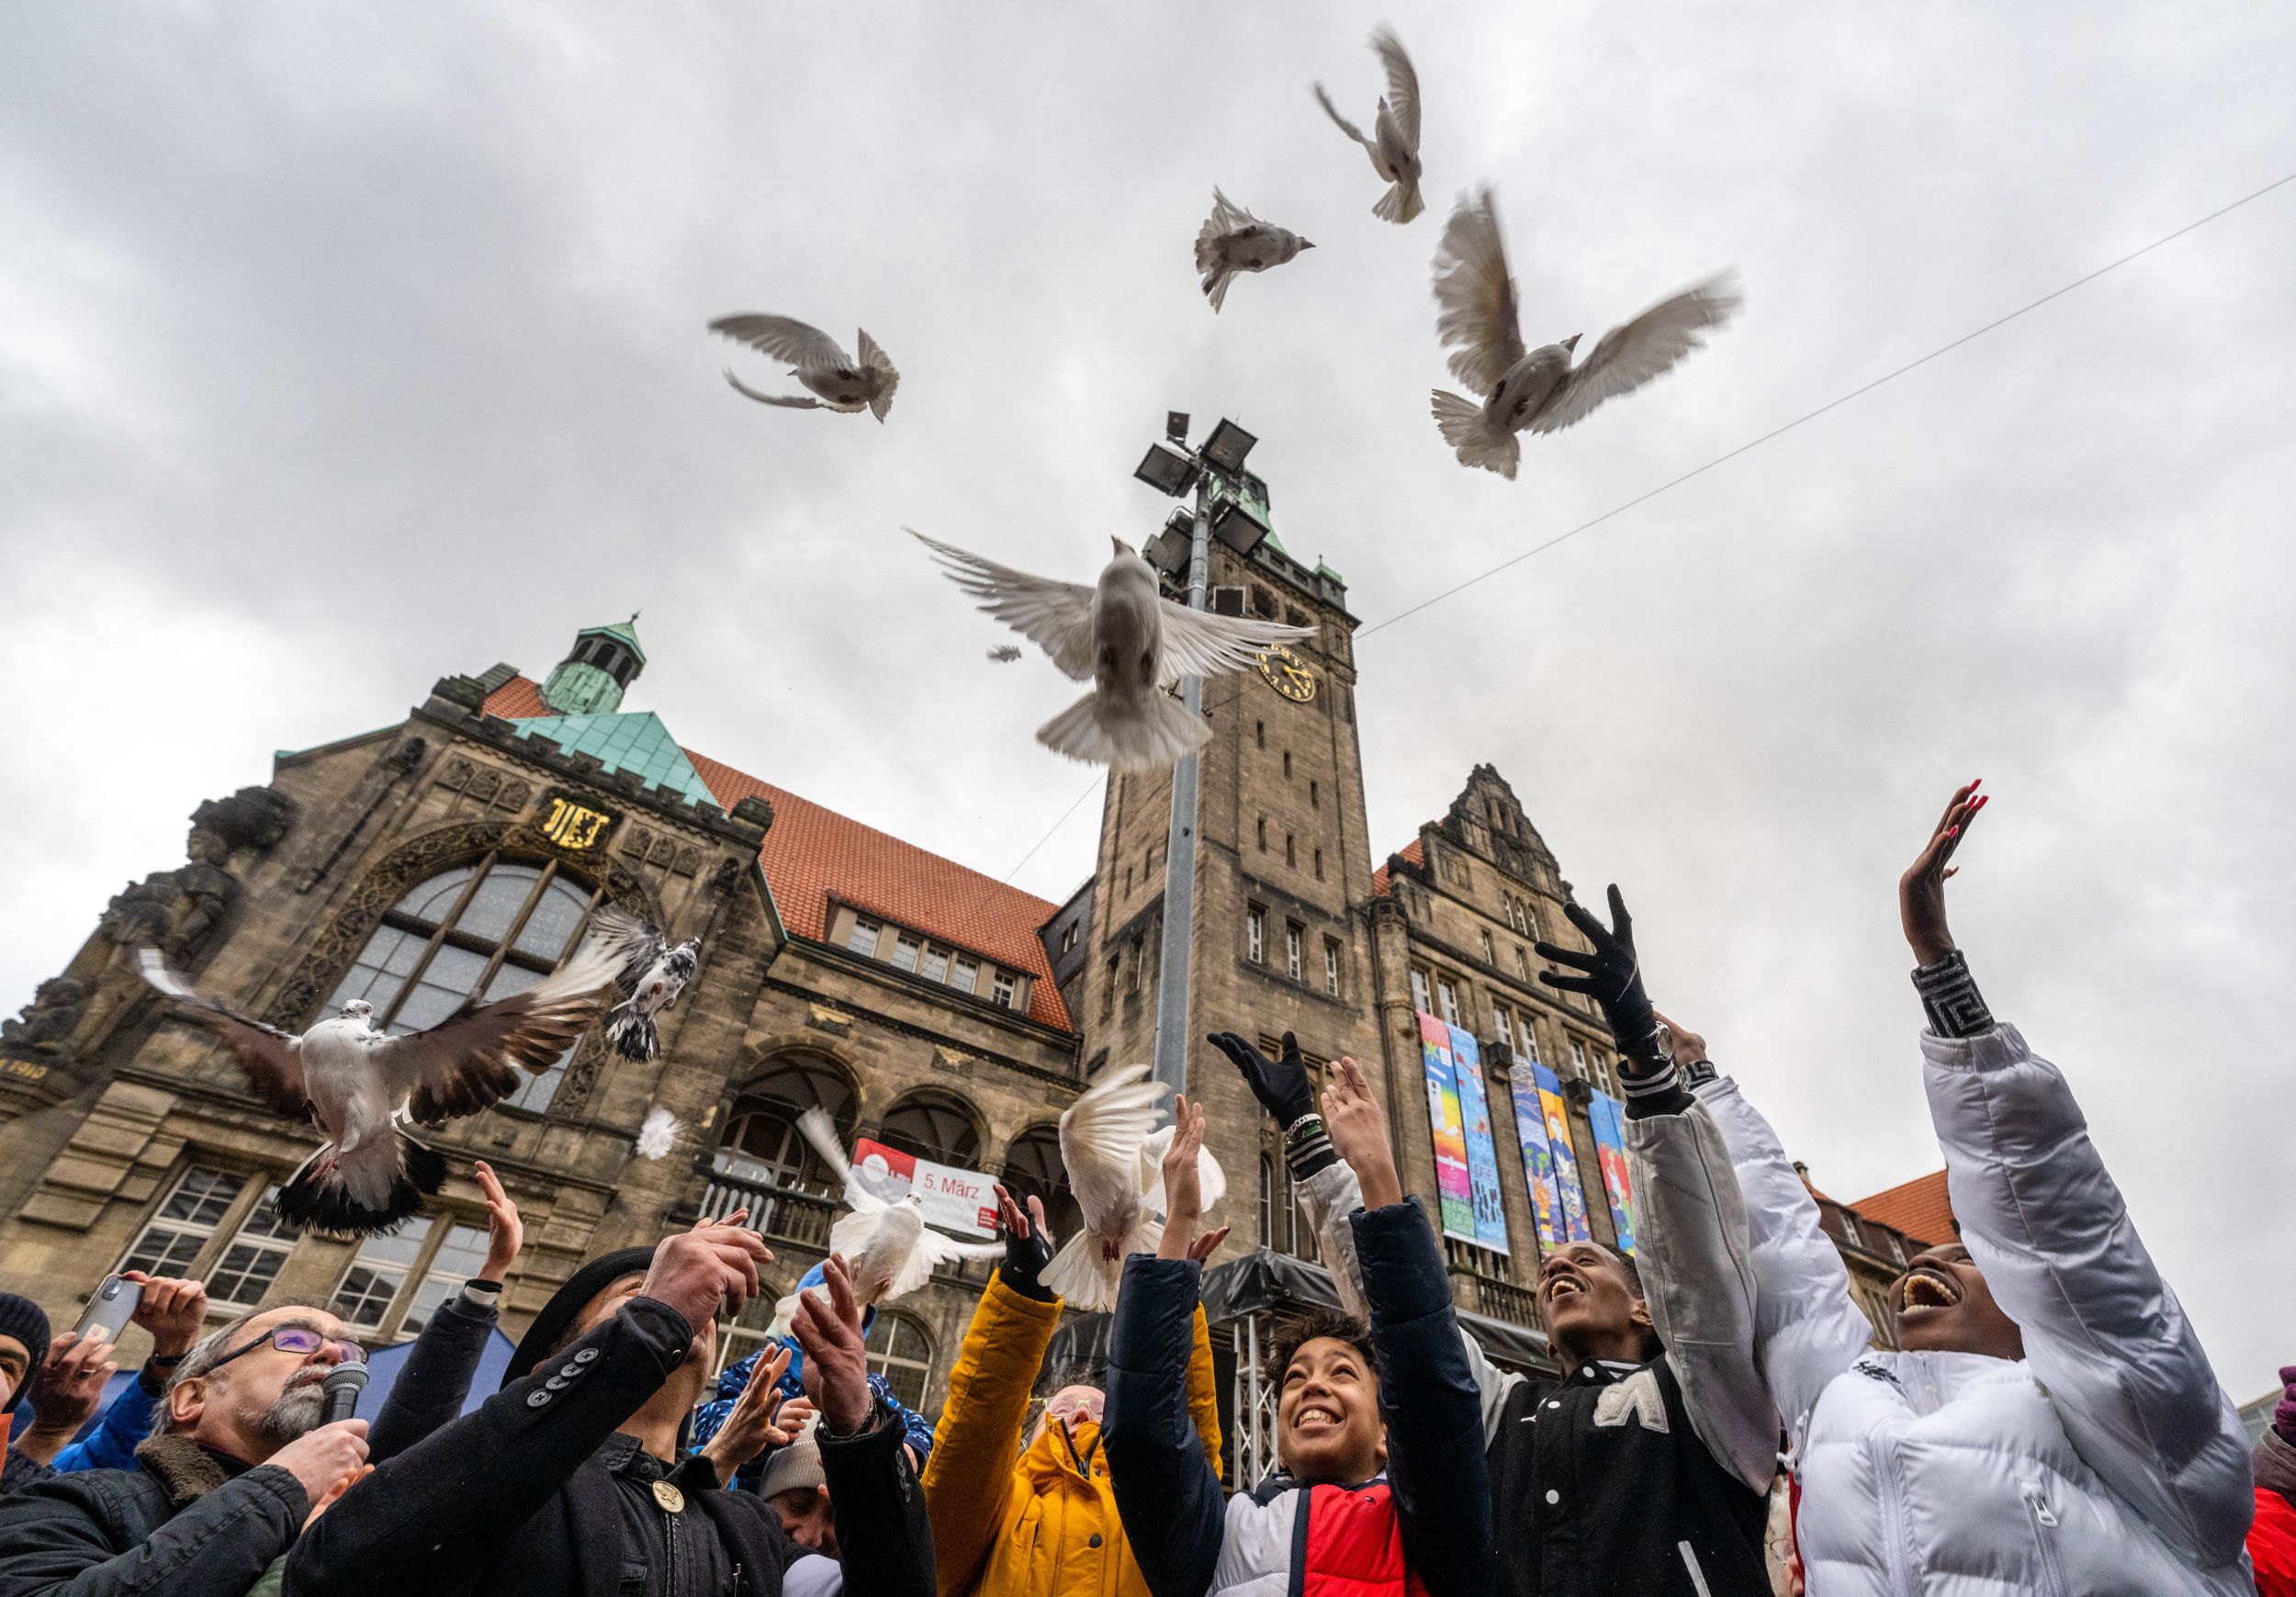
(2048, 1423)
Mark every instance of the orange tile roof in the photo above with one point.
(812, 855)
(1918, 1207)
(1414, 853)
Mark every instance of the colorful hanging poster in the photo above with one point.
(1609, 1118)
(1483, 1152)
(1530, 1129)
(1569, 1197)
(1453, 1186)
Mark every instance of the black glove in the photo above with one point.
(1613, 978)
(1281, 1085)
(1025, 1259)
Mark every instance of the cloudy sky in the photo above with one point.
(343, 347)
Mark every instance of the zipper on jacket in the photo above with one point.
(1896, 1536)
(2045, 1520)
(1697, 1575)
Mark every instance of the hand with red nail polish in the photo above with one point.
(1922, 890)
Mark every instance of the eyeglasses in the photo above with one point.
(1071, 1408)
(300, 1340)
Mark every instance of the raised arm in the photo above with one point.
(432, 1389)
(884, 1531)
(2045, 1222)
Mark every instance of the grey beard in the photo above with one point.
(295, 1411)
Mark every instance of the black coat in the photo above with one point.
(178, 1527)
(511, 1500)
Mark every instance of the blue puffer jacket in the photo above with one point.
(711, 1416)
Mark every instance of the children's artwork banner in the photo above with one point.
(1453, 1185)
(1483, 1152)
(1530, 1129)
(1569, 1197)
(1609, 1118)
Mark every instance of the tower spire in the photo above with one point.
(590, 679)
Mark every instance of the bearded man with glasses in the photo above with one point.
(234, 1468)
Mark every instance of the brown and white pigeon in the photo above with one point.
(1113, 1154)
(653, 975)
(1394, 143)
(1128, 640)
(818, 364)
(360, 1088)
(1539, 390)
(1232, 239)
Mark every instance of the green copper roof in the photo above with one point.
(624, 630)
(1277, 544)
(1323, 570)
(636, 742)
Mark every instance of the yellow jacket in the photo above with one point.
(1041, 1523)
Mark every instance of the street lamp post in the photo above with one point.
(1212, 471)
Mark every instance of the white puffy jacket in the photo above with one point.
(2107, 1461)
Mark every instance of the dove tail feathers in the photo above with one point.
(1152, 737)
(632, 1034)
(314, 1201)
(1468, 430)
(1084, 1278)
(1399, 204)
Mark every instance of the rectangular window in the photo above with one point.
(1522, 961)
(1490, 956)
(1500, 1026)
(376, 1272)
(252, 1263)
(1259, 734)
(461, 1255)
(936, 965)
(1319, 864)
(1330, 966)
(1291, 855)
(1255, 935)
(862, 938)
(906, 947)
(1001, 992)
(1263, 834)
(1139, 964)
(1419, 999)
(1286, 765)
(1116, 977)
(1068, 936)
(1295, 957)
(1315, 796)
(966, 977)
(1448, 997)
(1578, 1058)
(199, 1199)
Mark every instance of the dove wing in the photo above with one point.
(1211, 1181)
(1345, 125)
(1055, 616)
(1645, 347)
(273, 1059)
(818, 1129)
(853, 1230)
(785, 339)
(1199, 643)
(792, 401)
(1402, 84)
(633, 945)
(1478, 312)
(1100, 1137)
(470, 1059)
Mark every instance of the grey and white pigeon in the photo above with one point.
(1125, 639)
(1539, 390)
(1232, 239)
(1004, 654)
(652, 976)
(362, 1087)
(888, 1248)
(1394, 143)
(1113, 1154)
(842, 383)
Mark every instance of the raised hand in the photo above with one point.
(1922, 890)
(506, 1233)
(835, 1367)
(66, 1391)
(1183, 1187)
(173, 1312)
(1028, 1244)
(1612, 976)
(696, 1270)
(1281, 1085)
(750, 1428)
(1359, 1131)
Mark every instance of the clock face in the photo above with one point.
(1287, 674)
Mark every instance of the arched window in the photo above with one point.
(486, 931)
(898, 1349)
(933, 1125)
(1032, 1167)
(763, 1124)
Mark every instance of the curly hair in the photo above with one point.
(1319, 1325)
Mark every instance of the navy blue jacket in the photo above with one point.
(1168, 1495)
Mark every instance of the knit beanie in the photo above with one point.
(796, 1466)
(568, 1302)
(24, 1320)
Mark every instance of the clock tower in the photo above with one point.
(1283, 883)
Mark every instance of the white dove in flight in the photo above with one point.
(888, 1248)
(1394, 143)
(1127, 641)
(1232, 239)
(1539, 390)
(844, 383)
(653, 975)
(1113, 1154)
(361, 1086)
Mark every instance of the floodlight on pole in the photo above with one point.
(1175, 427)
(1164, 471)
(1227, 446)
(1237, 527)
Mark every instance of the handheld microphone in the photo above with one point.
(339, 1393)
